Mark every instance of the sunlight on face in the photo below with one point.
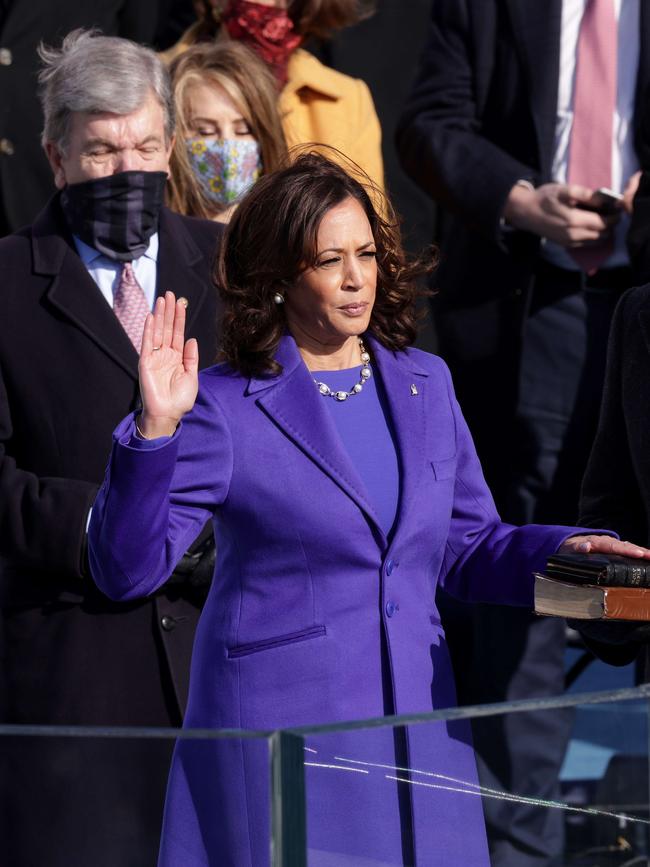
(212, 114)
(332, 301)
(105, 144)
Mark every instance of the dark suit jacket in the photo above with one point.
(481, 117)
(25, 176)
(616, 487)
(68, 373)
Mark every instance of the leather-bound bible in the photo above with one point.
(590, 601)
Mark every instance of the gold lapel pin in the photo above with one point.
(414, 389)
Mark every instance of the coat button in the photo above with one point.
(6, 57)
(391, 608)
(168, 623)
(390, 565)
(6, 147)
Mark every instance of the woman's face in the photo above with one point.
(333, 300)
(212, 114)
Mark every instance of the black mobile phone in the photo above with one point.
(605, 201)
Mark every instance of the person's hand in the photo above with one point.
(168, 369)
(630, 191)
(596, 544)
(558, 212)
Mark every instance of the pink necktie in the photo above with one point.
(590, 152)
(130, 305)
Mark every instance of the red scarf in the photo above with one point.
(265, 29)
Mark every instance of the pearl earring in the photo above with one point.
(278, 298)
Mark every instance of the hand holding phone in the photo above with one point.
(604, 201)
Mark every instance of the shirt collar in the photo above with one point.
(89, 255)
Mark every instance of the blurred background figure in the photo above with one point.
(77, 285)
(519, 113)
(229, 131)
(25, 177)
(358, 51)
(317, 103)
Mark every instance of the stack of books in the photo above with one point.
(594, 587)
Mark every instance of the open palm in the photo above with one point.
(168, 368)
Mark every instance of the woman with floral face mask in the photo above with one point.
(229, 129)
(317, 104)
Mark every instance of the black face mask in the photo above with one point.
(118, 214)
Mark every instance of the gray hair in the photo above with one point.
(95, 74)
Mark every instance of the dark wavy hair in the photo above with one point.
(318, 18)
(272, 238)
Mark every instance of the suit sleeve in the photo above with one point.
(610, 492)
(42, 519)
(156, 497)
(485, 559)
(440, 137)
(610, 495)
(638, 236)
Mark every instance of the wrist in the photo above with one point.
(153, 427)
(521, 200)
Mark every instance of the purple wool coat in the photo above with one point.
(314, 616)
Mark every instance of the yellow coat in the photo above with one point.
(319, 104)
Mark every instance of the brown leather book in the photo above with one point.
(590, 602)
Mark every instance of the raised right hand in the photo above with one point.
(168, 369)
(554, 211)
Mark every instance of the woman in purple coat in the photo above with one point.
(344, 487)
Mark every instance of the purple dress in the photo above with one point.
(364, 426)
(315, 614)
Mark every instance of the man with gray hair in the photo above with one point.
(77, 286)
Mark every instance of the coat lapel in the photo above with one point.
(293, 403)
(182, 267)
(536, 28)
(405, 386)
(73, 292)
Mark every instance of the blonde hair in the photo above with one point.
(251, 86)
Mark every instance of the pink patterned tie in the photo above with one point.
(590, 153)
(130, 305)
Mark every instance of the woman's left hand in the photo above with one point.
(596, 544)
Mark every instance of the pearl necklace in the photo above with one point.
(366, 373)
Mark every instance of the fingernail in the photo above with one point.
(584, 546)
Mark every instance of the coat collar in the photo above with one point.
(292, 401)
(74, 295)
(305, 70)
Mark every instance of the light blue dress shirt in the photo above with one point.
(106, 272)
